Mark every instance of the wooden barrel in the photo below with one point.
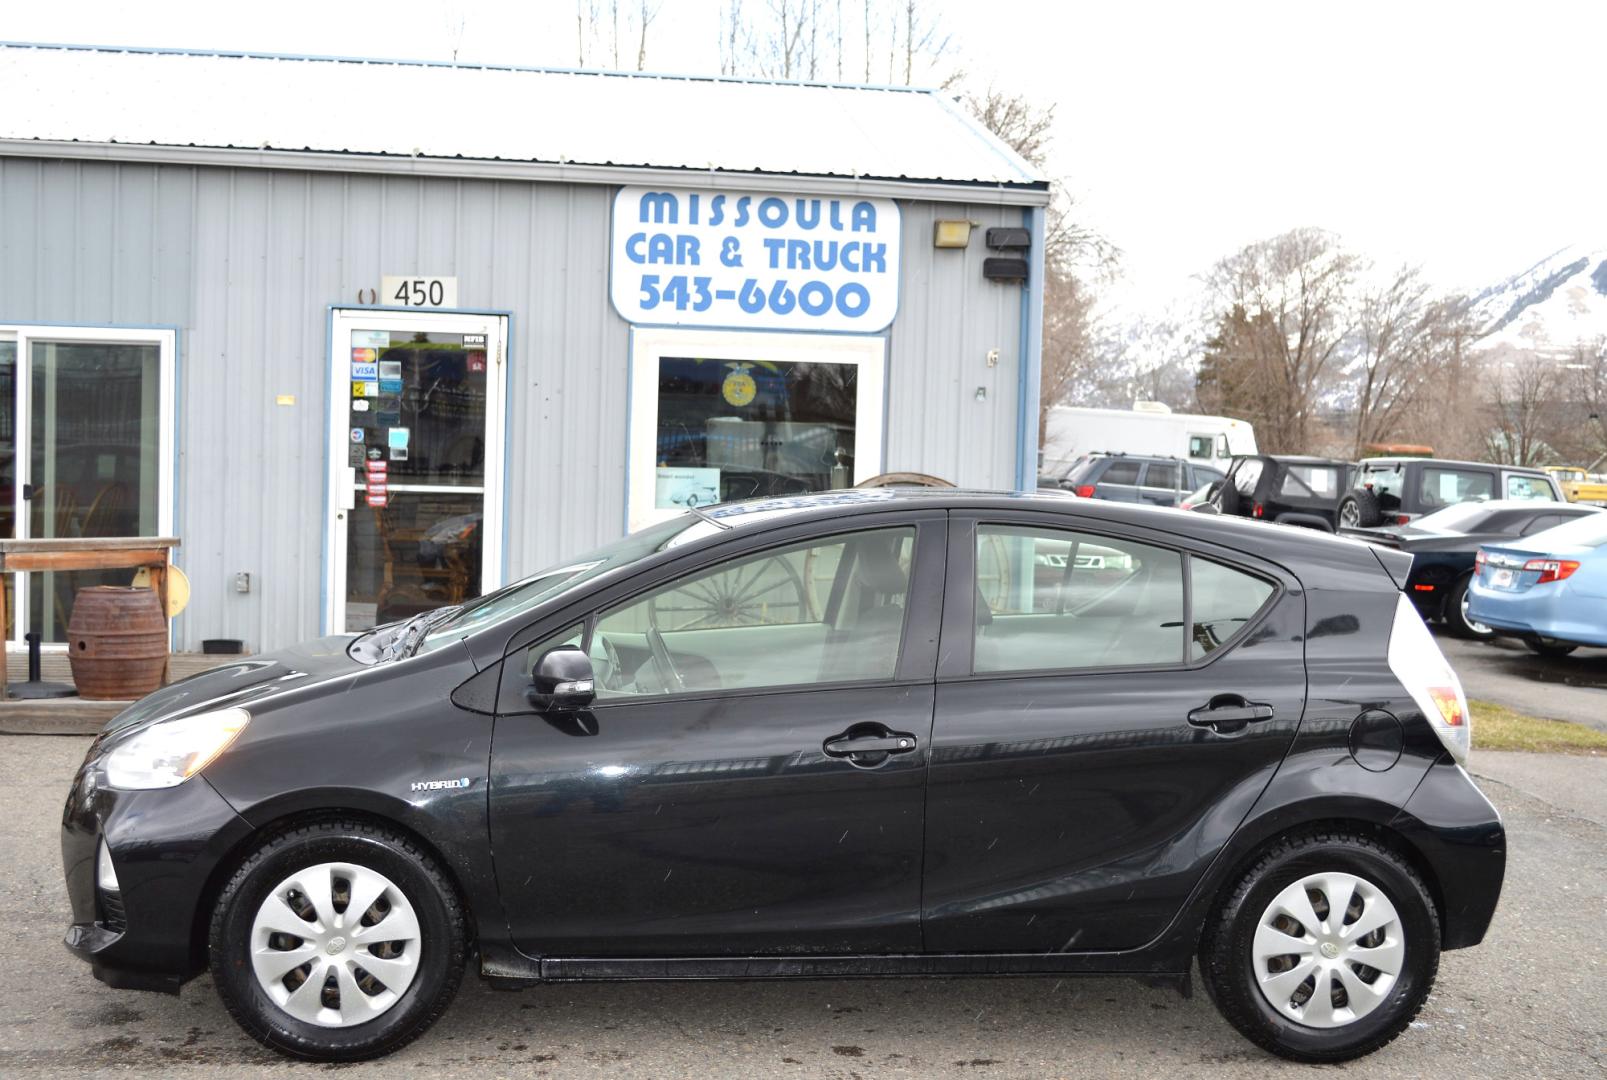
(116, 642)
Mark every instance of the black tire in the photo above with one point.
(1455, 620)
(1228, 971)
(443, 939)
(1551, 647)
(1360, 510)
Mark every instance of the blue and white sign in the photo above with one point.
(751, 261)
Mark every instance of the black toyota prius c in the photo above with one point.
(853, 734)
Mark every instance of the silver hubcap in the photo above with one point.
(335, 944)
(1350, 514)
(1476, 627)
(1328, 950)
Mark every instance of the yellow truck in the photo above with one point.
(1579, 486)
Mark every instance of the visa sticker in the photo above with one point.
(367, 371)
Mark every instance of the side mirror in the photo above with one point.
(562, 681)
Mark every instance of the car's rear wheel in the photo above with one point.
(1545, 646)
(337, 941)
(1456, 612)
(1325, 949)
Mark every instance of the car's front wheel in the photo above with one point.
(337, 941)
(1325, 949)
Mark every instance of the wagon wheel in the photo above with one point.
(750, 594)
(993, 578)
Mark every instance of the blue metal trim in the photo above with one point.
(329, 404)
(630, 396)
(1030, 368)
(507, 441)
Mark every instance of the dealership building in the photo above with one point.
(372, 336)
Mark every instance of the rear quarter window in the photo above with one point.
(1120, 472)
(1445, 487)
(1224, 600)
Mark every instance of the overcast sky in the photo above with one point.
(1463, 136)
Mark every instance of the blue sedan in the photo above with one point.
(1550, 589)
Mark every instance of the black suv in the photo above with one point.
(1160, 481)
(1393, 491)
(1287, 489)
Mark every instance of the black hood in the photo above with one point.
(245, 681)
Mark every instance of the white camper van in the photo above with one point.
(1149, 428)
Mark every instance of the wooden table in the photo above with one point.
(91, 553)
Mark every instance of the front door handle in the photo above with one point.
(887, 742)
(1229, 713)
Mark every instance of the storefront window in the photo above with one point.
(737, 429)
(718, 416)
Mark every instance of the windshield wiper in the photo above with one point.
(407, 640)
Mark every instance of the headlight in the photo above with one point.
(170, 752)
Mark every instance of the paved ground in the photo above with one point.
(1530, 1002)
(1506, 672)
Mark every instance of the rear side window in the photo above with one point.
(1161, 476)
(1120, 472)
(1053, 599)
(1443, 487)
(1530, 487)
(1309, 482)
(1223, 600)
(1203, 476)
(1247, 475)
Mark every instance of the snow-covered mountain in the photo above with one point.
(1557, 303)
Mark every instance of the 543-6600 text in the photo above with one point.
(699, 294)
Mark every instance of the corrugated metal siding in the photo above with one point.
(247, 261)
(949, 317)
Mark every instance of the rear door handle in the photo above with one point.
(1230, 715)
(891, 743)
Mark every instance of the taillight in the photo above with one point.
(1258, 510)
(1403, 519)
(1085, 491)
(1551, 569)
(1422, 669)
(1478, 561)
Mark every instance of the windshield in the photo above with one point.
(524, 594)
(1589, 531)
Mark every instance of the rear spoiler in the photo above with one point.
(1396, 563)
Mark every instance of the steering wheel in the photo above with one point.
(662, 663)
(615, 678)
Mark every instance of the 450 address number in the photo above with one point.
(698, 294)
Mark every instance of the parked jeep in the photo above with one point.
(1284, 488)
(1394, 491)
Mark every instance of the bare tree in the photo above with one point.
(1404, 338)
(1523, 388)
(1288, 322)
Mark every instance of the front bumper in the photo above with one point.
(1456, 829)
(166, 846)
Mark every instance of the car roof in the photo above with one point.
(1299, 459)
(1533, 469)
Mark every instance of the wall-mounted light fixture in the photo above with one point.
(1004, 269)
(951, 234)
(1012, 266)
(1009, 238)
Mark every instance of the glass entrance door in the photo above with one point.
(415, 446)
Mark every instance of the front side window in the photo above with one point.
(827, 611)
(1052, 599)
(1446, 487)
(1530, 487)
(1199, 446)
